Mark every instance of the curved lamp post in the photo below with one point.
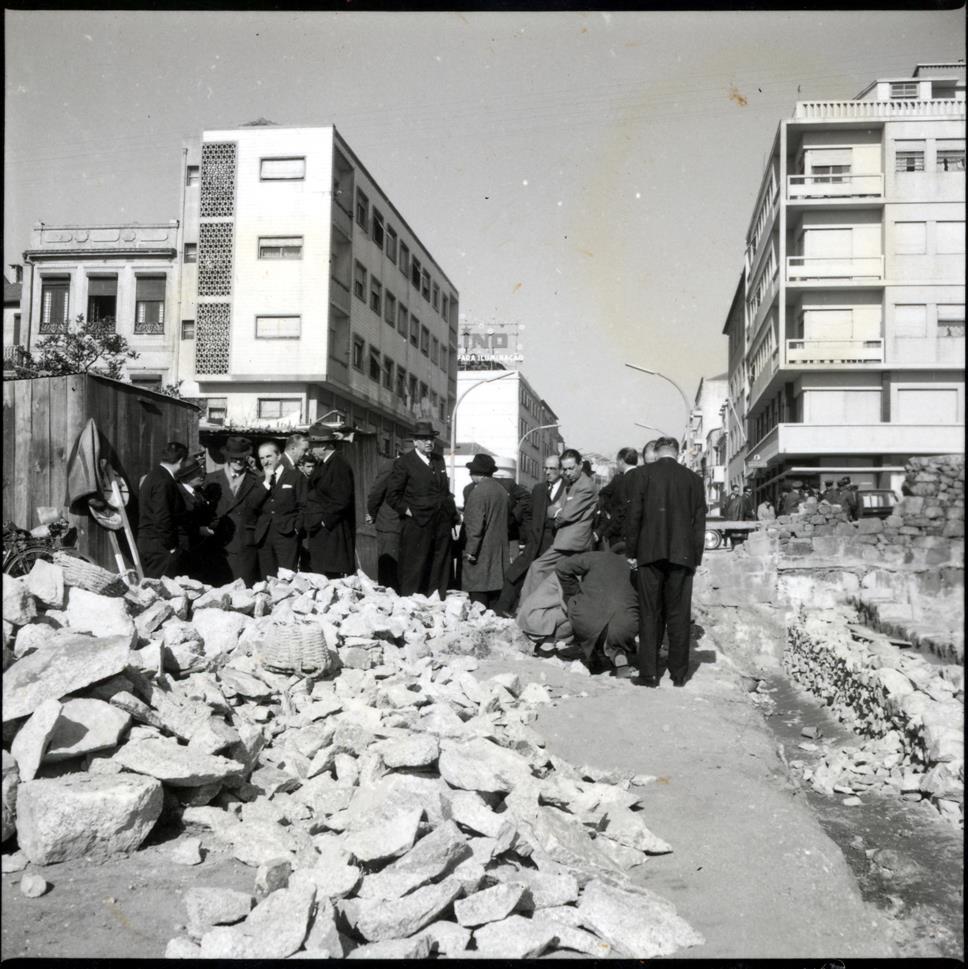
(650, 427)
(453, 415)
(517, 466)
(655, 373)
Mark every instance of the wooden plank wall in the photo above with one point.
(41, 420)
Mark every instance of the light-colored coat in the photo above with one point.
(574, 522)
(486, 526)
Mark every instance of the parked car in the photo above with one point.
(720, 532)
(877, 502)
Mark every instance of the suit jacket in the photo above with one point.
(606, 597)
(285, 503)
(423, 489)
(235, 515)
(160, 509)
(385, 519)
(615, 504)
(486, 536)
(330, 515)
(519, 509)
(666, 514)
(573, 524)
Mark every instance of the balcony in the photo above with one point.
(872, 110)
(834, 186)
(339, 295)
(803, 269)
(342, 221)
(760, 381)
(804, 353)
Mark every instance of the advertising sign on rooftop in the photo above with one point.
(490, 343)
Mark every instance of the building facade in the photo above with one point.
(853, 318)
(700, 450)
(12, 288)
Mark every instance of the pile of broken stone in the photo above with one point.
(398, 806)
(910, 711)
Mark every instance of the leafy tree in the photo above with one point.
(87, 346)
(173, 390)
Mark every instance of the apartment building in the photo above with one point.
(121, 272)
(849, 338)
(700, 443)
(305, 291)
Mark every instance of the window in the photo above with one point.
(444, 306)
(909, 156)
(951, 319)
(909, 237)
(278, 327)
(402, 317)
(188, 330)
(414, 330)
(272, 408)
(442, 410)
(904, 89)
(951, 156)
(401, 382)
(362, 210)
(391, 244)
(54, 304)
(146, 381)
(377, 229)
(424, 391)
(415, 273)
(359, 347)
(282, 169)
(425, 341)
(359, 281)
(926, 405)
(376, 296)
(215, 409)
(102, 298)
(387, 373)
(950, 237)
(434, 350)
(375, 365)
(280, 247)
(190, 252)
(910, 320)
(149, 307)
(435, 299)
(390, 308)
(192, 175)
(425, 285)
(412, 389)
(404, 262)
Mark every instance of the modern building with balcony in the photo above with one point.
(847, 333)
(305, 291)
(701, 440)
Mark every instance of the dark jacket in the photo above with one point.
(486, 536)
(614, 503)
(235, 515)
(385, 519)
(285, 502)
(666, 514)
(423, 490)
(330, 516)
(160, 510)
(606, 596)
(539, 534)
(519, 509)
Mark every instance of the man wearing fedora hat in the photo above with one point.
(330, 516)
(160, 509)
(199, 512)
(419, 492)
(238, 495)
(486, 533)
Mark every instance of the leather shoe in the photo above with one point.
(678, 682)
(650, 681)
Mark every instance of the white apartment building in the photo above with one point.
(500, 410)
(853, 291)
(700, 441)
(305, 291)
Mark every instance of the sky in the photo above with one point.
(588, 177)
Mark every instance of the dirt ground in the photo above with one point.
(752, 868)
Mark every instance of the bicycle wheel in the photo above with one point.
(20, 563)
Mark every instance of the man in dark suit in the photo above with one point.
(160, 510)
(280, 524)
(614, 498)
(238, 495)
(538, 533)
(330, 515)
(664, 531)
(387, 524)
(419, 492)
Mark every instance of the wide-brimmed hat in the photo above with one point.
(424, 429)
(191, 470)
(237, 447)
(326, 437)
(481, 464)
(844, 480)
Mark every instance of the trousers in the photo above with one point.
(665, 604)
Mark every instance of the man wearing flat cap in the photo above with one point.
(330, 516)
(419, 492)
(239, 495)
(486, 533)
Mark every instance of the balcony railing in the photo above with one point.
(803, 268)
(343, 221)
(835, 186)
(823, 352)
(868, 110)
(339, 295)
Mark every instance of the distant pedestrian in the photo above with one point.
(829, 493)
(665, 533)
(733, 509)
(765, 511)
(485, 529)
(849, 498)
(330, 513)
(747, 507)
(160, 512)
(790, 499)
(387, 524)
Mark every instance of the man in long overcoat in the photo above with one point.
(239, 494)
(281, 522)
(665, 529)
(160, 508)
(486, 533)
(419, 492)
(330, 515)
(387, 524)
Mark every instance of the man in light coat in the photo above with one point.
(486, 533)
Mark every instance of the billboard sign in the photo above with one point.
(492, 343)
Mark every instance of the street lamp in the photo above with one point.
(655, 373)
(453, 414)
(517, 466)
(650, 427)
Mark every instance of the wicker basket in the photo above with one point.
(296, 648)
(86, 575)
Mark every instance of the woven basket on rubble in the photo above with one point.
(87, 575)
(297, 648)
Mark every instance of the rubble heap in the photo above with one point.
(398, 806)
(911, 709)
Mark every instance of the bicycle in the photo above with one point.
(21, 549)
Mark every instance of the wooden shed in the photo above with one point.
(42, 417)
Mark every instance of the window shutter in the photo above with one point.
(150, 288)
(102, 286)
